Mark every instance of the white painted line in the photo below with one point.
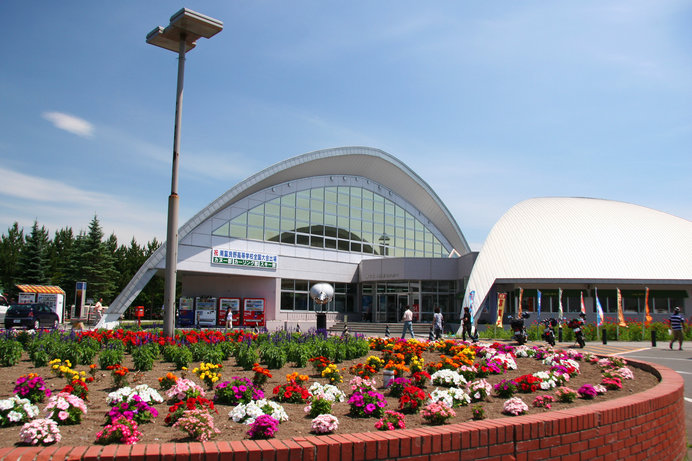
(649, 357)
(687, 399)
(683, 372)
(633, 351)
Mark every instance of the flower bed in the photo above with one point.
(298, 422)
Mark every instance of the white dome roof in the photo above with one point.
(582, 239)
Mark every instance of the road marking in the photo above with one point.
(649, 357)
(683, 372)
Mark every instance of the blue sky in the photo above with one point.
(491, 103)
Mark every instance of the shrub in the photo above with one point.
(325, 424)
(318, 406)
(16, 410)
(182, 358)
(199, 424)
(121, 431)
(437, 413)
(10, 352)
(110, 357)
(237, 390)
(390, 421)
(264, 427)
(40, 432)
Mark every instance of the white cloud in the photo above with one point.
(70, 123)
(54, 204)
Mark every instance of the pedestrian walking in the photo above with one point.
(438, 323)
(407, 318)
(677, 322)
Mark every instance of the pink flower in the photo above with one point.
(63, 415)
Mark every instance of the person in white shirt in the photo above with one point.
(408, 323)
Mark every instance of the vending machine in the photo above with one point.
(253, 312)
(226, 304)
(186, 312)
(205, 311)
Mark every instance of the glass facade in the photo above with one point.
(295, 296)
(386, 301)
(343, 218)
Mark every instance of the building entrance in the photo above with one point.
(390, 307)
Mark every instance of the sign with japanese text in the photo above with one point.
(243, 258)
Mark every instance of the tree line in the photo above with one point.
(67, 258)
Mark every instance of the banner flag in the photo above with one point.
(521, 295)
(539, 303)
(583, 308)
(646, 309)
(621, 317)
(501, 299)
(599, 311)
(559, 303)
(472, 295)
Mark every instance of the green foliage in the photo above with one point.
(213, 355)
(246, 357)
(169, 352)
(34, 258)
(320, 406)
(143, 357)
(273, 356)
(110, 356)
(299, 354)
(39, 357)
(10, 352)
(182, 358)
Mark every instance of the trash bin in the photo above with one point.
(321, 321)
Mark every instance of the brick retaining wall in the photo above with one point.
(647, 425)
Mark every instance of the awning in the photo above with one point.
(40, 289)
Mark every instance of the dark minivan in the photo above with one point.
(30, 316)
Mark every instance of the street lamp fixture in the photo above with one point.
(186, 26)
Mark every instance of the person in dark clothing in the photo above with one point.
(466, 322)
(677, 322)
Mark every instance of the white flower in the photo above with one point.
(447, 378)
(14, 416)
(327, 392)
(248, 413)
(6, 404)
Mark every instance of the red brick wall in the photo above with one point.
(647, 425)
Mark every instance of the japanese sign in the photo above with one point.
(243, 258)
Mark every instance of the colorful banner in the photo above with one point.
(583, 308)
(621, 317)
(646, 309)
(599, 310)
(501, 300)
(521, 295)
(472, 295)
(538, 292)
(559, 303)
(243, 258)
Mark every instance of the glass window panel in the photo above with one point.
(367, 204)
(330, 220)
(378, 228)
(342, 210)
(330, 208)
(330, 194)
(255, 233)
(302, 202)
(343, 222)
(238, 231)
(256, 220)
(287, 301)
(259, 209)
(289, 200)
(389, 229)
(355, 201)
(356, 213)
(428, 248)
(367, 227)
(302, 285)
(241, 219)
(330, 231)
(429, 285)
(389, 207)
(317, 229)
(379, 218)
(400, 211)
(367, 215)
(316, 204)
(316, 217)
(344, 195)
(354, 226)
(301, 301)
(302, 240)
(272, 208)
(222, 231)
(330, 243)
(288, 237)
(287, 284)
(379, 204)
(271, 223)
(287, 225)
(367, 194)
(356, 191)
(271, 235)
(317, 192)
(303, 215)
(419, 226)
(343, 245)
(410, 233)
(369, 249)
(410, 244)
(316, 241)
(357, 247)
(287, 212)
(400, 221)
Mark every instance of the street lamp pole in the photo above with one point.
(181, 35)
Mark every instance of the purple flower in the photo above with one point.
(369, 408)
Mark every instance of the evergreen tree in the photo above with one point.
(11, 248)
(97, 267)
(34, 259)
(61, 254)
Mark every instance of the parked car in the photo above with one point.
(30, 316)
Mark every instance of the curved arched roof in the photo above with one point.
(367, 162)
(582, 239)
